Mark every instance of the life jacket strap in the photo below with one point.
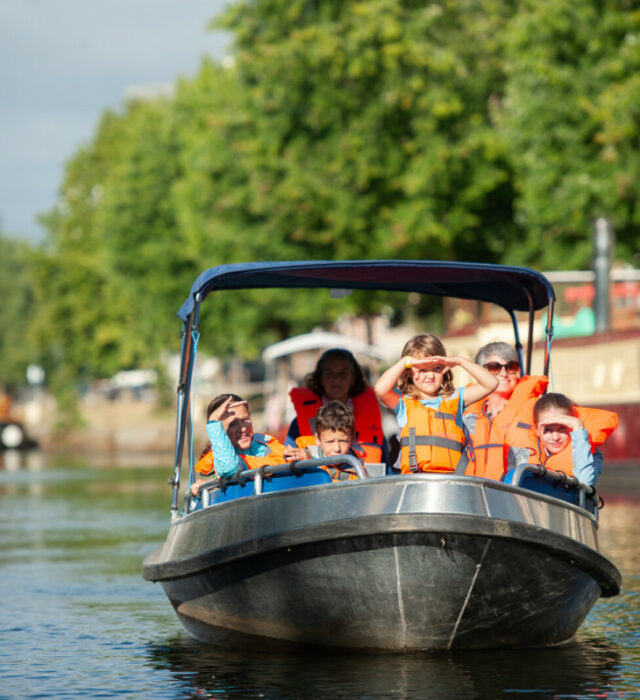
(412, 442)
(461, 467)
(432, 440)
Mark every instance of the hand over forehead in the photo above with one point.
(548, 419)
(430, 361)
(229, 408)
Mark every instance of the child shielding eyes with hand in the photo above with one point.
(419, 389)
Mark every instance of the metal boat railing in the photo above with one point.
(348, 462)
(342, 462)
(560, 477)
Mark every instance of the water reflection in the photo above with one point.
(80, 617)
(14, 460)
(578, 669)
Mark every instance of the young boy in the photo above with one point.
(334, 435)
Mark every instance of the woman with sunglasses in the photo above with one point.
(489, 419)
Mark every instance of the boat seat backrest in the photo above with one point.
(292, 481)
(545, 486)
(278, 482)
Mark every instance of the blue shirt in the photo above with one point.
(227, 459)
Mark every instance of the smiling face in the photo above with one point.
(337, 378)
(237, 424)
(506, 381)
(334, 442)
(428, 381)
(554, 435)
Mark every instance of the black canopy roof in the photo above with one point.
(513, 288)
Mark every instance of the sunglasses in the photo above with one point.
(495, 367)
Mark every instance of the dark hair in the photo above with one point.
(424, 345)
(313, 380)
(504, 351)
(335, 416)
(218, 401)
(213, 404)
(557, 401)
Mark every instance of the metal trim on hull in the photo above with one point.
(592, 563)
(258, 518)
(396, 591)
(410, 562)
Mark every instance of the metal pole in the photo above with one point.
(185, 352)
(183, 426)
(518, 344)
(603, 247)
(548, 337)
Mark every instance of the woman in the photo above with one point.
(489, 419)
(338, 377)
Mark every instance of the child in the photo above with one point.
(335, 427)
(232, 444)
(564, 437)
(428, 408)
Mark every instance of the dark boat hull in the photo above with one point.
(421, 562)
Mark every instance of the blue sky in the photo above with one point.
(62, 62)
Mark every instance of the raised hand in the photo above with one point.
(549, 420)
(222, 411)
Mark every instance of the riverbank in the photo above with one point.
(108, 428)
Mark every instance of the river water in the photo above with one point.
(78, 620)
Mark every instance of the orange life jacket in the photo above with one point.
(205, 466)
(488, 436)
(598, 422)
(431, 440)
(366, 411)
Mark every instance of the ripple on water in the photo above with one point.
(83, 623)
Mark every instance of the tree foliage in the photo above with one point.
(482, 130)
(570, 117)
(16, 309)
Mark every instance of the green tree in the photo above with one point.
(571, 124)
(370, 127)
(111, 261)
(16, 349)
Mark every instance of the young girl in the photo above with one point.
(428, 408)
(233, 445)
(564, 438)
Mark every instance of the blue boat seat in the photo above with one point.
(277, 482)
(282, 482)
(547, 487)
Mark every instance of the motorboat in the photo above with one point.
(287, 555)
